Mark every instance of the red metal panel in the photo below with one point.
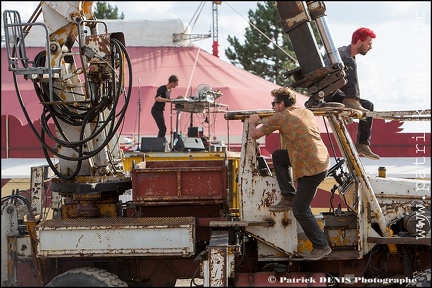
(203, 183)
(26, 275)
(154, 183)
(180, 180)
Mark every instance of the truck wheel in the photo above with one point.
(422, 279)
(87, 277)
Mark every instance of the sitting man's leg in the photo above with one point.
(364, 133)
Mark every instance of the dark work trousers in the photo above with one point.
(283, 170)
(160, 122)
(365, 125)
(307, 187)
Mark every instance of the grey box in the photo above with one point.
(152, 144)
(193, 144)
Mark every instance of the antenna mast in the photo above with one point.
(215, 28)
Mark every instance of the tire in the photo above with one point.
(422, 279)
(87, 277)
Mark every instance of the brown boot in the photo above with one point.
(285, 204)
(318, 253)
(363, 149)
(354, 104)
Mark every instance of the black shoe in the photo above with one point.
(285, 204)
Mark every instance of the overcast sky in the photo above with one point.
(395, 74)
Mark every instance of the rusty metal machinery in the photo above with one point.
(312, 73)
(83, 82)
(190, 214)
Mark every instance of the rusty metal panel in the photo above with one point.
(185, 163)
(26, 274)
(256, 194)
(180, 180)
(219, 266)
(176, 157)
(100, 47)
(395, 195)
(154, 183)
(113, 237)
(341, 230)
(37, 188)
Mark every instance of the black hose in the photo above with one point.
(82, 114)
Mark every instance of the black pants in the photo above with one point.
(306, 190)
(160, 122)
(365, 125)
(283, 171)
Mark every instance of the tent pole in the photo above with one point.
(139, 113)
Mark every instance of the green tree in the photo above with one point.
(104, 10)
(260, 55)
(267, 51)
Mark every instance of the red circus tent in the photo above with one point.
(151, 68)
(155, 55)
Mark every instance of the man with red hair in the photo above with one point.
(349, 95)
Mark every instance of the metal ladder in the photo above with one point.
(18, 61)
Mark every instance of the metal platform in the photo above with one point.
(114, 237)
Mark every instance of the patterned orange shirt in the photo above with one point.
(298, 127)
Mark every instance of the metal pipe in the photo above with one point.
(329, 45)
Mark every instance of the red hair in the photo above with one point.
(361, 34)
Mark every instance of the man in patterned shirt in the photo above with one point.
(305, 154)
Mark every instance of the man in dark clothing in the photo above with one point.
(162, 96)
(349, 95)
